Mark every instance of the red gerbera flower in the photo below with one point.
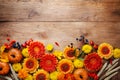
(93, 62)
(36, 49)
(48, 62)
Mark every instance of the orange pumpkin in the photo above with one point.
(81, 74)
(14, 55)
(4, 68)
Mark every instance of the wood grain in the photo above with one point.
(61, 21)
(63, 10)
(62, 32)
(59, 0)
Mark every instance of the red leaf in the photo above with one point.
(57, 44)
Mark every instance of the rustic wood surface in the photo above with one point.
(62, 32)
(60, 0)
(60, 10)
(61, 21)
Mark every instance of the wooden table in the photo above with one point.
(61, 20)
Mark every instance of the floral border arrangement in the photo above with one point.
(33, 60)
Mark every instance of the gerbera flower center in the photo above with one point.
(93, 61)
(40, 76)
(30, 64)
(36, 49)
(49, 62)
(105, 50)
(65, 67)
(70, 53)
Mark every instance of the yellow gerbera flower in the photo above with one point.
(116, 53)
(87, 48)
(25, 52)
(41, 75)
(58, 54)
(69, 53)
(17, 66)
(78, 63)
(105, 50)
(65, 66)
(30, 64)
(49, 47)
(2, 48)
(54, 75)
(4, 57)
(29, 77)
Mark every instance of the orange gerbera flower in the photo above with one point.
(36, 49)
(30, 64)
(68, 76)
(4, 57)
(22, 74)
(41, 75)
(65, 66)
(48, 62)
(69, 53)
(105, 50)
(61, 76)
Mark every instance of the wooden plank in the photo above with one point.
(59, 0)
(62, 10)
(62, 32)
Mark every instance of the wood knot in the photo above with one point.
(41, 1)
(42, 35)
(32, 13)
(116, 12)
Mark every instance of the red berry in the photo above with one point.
(13, 41)
(110, 61)
(95, 46)
(92, 43)
(5, 44)
(10, 44)
(27, 42)
(8, 47)
(23, 45)
(8, 39)
(31, 40)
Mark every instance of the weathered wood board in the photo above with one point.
(63, 32)
(60, 0)
(59, 10)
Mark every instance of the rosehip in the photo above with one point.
(92, 43)
(95, 46)
(8, 39)
(23, 45)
